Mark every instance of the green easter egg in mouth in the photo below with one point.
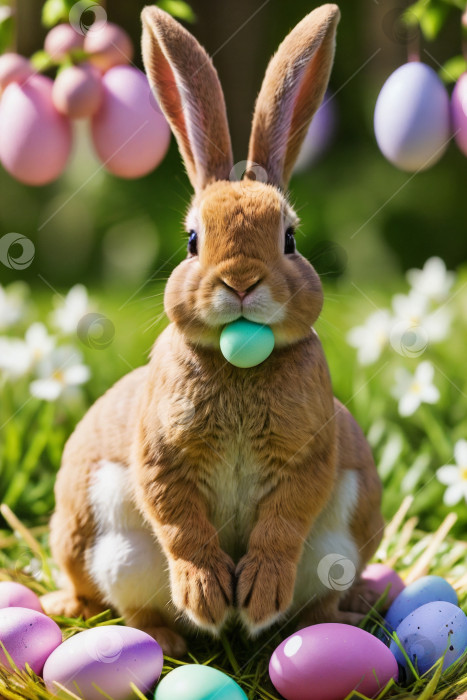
(245, 343)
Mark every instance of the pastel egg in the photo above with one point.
(109, 45)
(14, 69)
(130, 134)
(459, 113)
(196, 682)
(35, 140)
(327, 661)
(319, 135)
(62, 39)
(15, 595)
(427, 633)
(111, 657)
(379, 577)
(412, 117)
(246, 344)
(77, 91)
(425, 590)
(29, 637)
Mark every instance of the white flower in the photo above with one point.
(413, 390)
(411, 313)
(15, 357)
(11, 307)
(454, 476)
(39, 343)
(433, 281)
(371, 338)
(69, 313)
(62, 369)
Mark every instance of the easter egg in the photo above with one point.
(129, 132)
(412, 119)
(111, 657)
(196, 682)
(109, 45)
(427, 633)
(35, 140)
(14, 69)
(77, 91)
(61, 40)
(15, 595)
(28, 636)
(379, 577)
(246, 344)
(459, 112)
(327, 661)
(425, 590)
(319, 135)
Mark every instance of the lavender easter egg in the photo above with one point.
(35, 140)
(28, 636)
(424, 590)
(129, 132)
(111, 657)
(15, 595)
(412, 117)
(319, 135)
(14, 69)
(379, 577)
(62, 39)
(77, 91)
(328, 661)
(430, 631)
(459, 113)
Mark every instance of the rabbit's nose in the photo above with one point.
(241, 292)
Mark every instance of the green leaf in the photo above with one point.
(41, 60)
(432, 20)
(54, 11)
(7, 26)
(453, 69)
(178, 8)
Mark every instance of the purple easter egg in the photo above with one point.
(14, 69)
(379, 577)
(328, 661)
(28, 636)
(62, 39)
(15, 595)
(111, 657)
(77, 91)
(459, 112)
(35, 140)
(130, 134)
(319, 135)
(412, 117)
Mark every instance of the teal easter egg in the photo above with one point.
(195, 682)
(246, 344)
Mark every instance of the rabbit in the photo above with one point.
(194, 491)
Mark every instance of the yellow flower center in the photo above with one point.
(463, 471)
(59, 376)
(416, 388)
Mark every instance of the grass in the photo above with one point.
(424, 535)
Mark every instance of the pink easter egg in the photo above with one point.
(77, 91)
(109, 45)
(14, 69)
(28, 636)
(35, 140)
(130, 134)
(61, 40)
(459, 113)
(15, 595)
(379, 576)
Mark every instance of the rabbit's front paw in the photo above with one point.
(264, 589)
(204, 591)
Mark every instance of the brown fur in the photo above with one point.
(280, 417)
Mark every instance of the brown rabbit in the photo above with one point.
(193, 488)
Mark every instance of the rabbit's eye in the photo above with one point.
(289, 241)
(193, 243)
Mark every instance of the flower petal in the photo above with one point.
(47, 389)
(409, 404)
(425, 372)
(453, 494)
(448, 474)
(460, 453)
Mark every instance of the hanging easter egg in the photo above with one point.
(412, 120)
(14, 69)
(246, 344)
(429, 632)
(77, 91)
(327, 661)
(197, 682)
(379, 577)
(61, 40)
(130, 134)
(15, 595)
(109, 45)
(319, 135)
(110, 657)
(424, 590)
(459, 113)
(35, 140)
(28, 636)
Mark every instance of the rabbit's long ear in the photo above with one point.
(292, 90)
(190, 95)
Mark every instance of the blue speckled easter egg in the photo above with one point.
(425, 590)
